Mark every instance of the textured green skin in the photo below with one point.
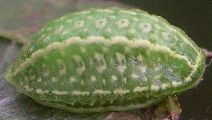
(172, 69)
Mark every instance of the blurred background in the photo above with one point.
(25, 17)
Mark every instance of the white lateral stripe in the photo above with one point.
(101, 92)
(99, 39)
(121, 91)
(80, 93)
(60, 92)
(140, 89)
(188, 78)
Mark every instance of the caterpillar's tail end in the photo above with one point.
(208, 55)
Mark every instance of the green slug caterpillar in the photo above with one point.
(107, 60)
